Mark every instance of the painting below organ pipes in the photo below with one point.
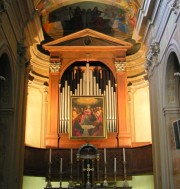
(116, 18)
(87, 117)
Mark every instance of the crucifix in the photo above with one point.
(88, 169)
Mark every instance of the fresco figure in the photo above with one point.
(97, 21)
(76, 17)
(122, 23)
(88, 17)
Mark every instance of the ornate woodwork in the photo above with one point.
(139, 161)
(88, 46)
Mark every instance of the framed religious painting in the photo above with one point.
(87, 119)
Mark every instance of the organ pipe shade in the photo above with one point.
(87, 79)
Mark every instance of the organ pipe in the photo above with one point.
(94, 86)
(84, 84)
(110, 104)
(80, 87)
(90, 83)
(87, 79)
(60, 110)
(68, 105)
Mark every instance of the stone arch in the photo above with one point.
(6, 113)
(6, 81)
(170, 95)
(172, 81)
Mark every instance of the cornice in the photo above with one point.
(84, 33)
(139, 84)
(171, 110)
(40, 62)
(37, 85)
(135, 64)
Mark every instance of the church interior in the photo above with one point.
(89, 94)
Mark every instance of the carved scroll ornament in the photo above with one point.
(152, 57)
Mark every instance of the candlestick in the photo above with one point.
(50, 155)
(105, 155)
(71, 155)
(124, 155)
(49, 185)
(60, 165)
(115, 172)
(114, 164)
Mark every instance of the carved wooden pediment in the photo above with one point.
(86, 38)
(87, 41)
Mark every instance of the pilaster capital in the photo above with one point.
(174, 5)
(3, 6)
(21, 49)
(152, 57)
(28, 67)
(120, 66)
(54, 67)
(44, 90)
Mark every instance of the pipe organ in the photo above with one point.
(87, 79)
(94, 69)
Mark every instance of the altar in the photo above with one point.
(87, 170)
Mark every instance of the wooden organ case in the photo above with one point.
(96, 68)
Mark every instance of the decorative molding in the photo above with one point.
(21, 49)
(174, 5)
(28, 67)
(3, 6)
(177, 74)
(120, 66)
(152, 57)
(2, 78)
(171, 110)
(55, 67)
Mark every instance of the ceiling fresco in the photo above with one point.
(116, 18)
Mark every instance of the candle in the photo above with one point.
(124, 155)
(114, 164)
(60, 165)
(50, 155)
(105, 155)
(71, 155)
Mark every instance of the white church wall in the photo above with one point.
(139, 113)
(36, 119)
(142, 121)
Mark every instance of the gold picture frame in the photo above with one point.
(87, 118)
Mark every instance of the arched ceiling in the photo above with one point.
(116, 18)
